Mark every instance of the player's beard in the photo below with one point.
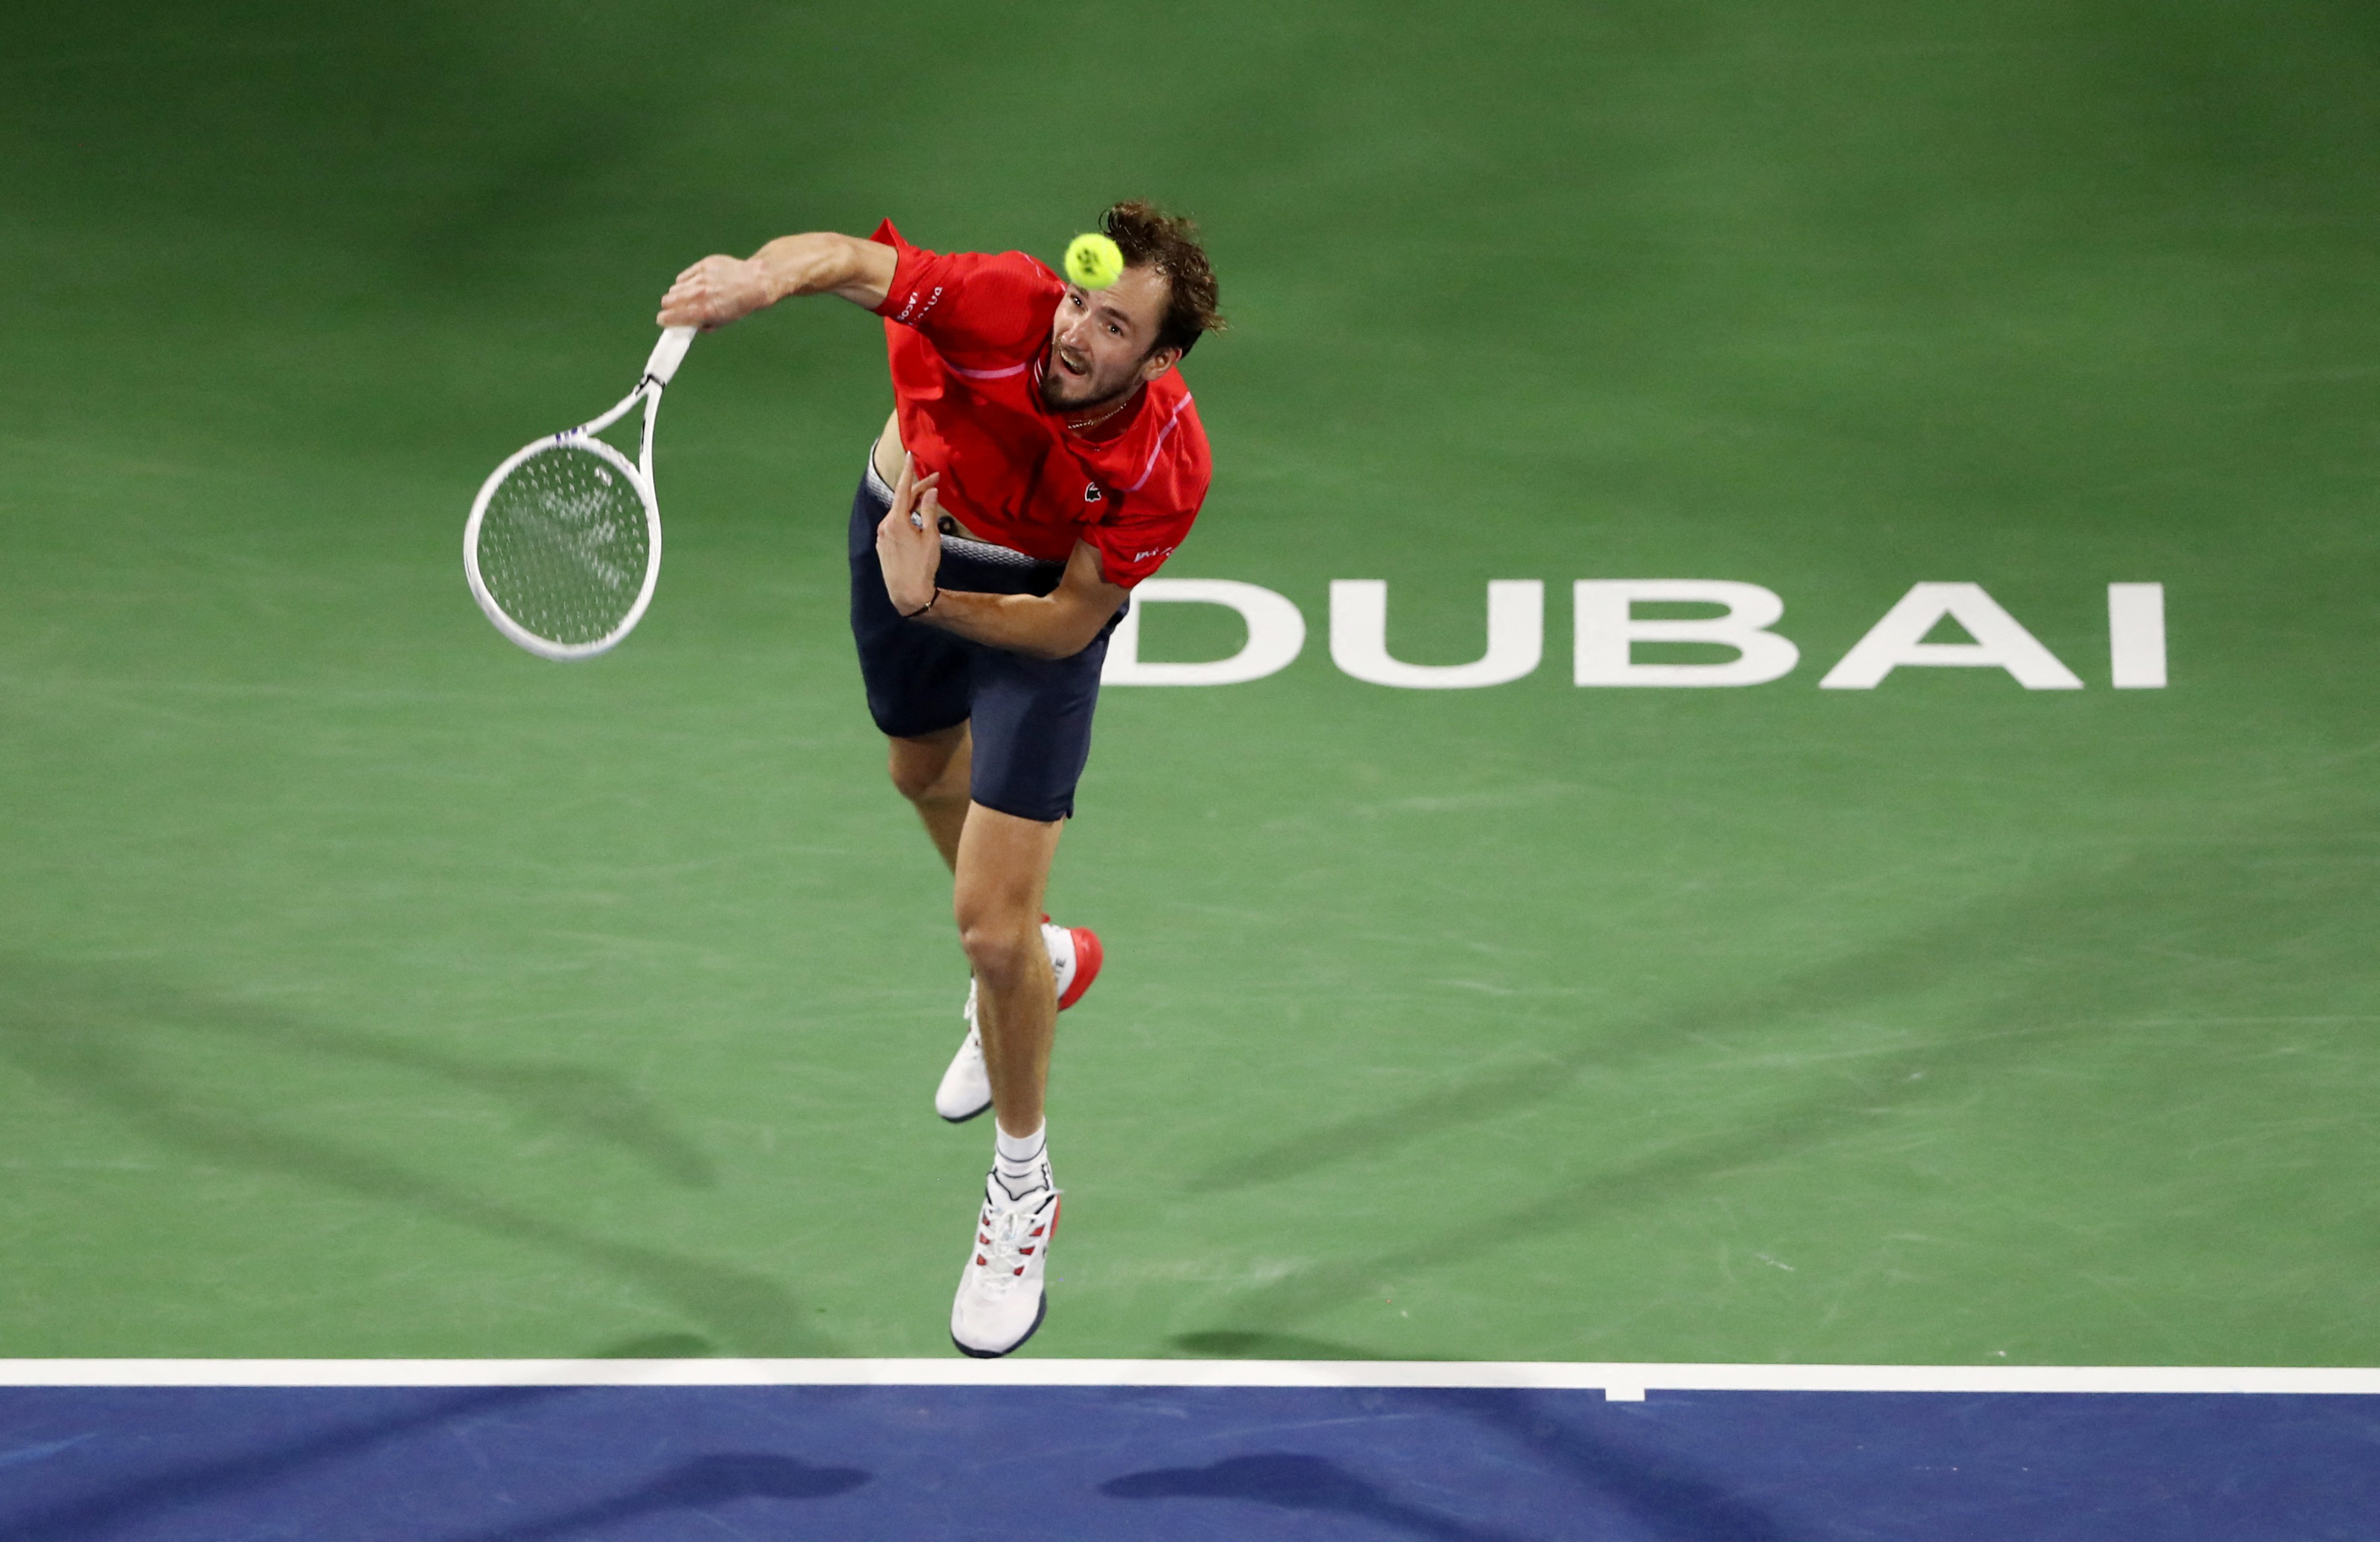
(1096, 393)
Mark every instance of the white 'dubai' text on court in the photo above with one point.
(1607, 632)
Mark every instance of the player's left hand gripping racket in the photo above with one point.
(564, 541)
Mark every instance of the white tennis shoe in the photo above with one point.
(1074, 959)
(1000, 1300)
(965, 1090)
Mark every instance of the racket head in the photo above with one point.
(564, 546)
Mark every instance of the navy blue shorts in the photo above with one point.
(1031, 717)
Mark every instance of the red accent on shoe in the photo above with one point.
(1088, 956)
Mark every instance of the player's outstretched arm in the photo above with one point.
(718, 290)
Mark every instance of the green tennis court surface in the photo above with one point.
(368, 988)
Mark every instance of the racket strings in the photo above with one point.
(563, 545)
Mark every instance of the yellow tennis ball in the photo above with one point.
(1093, 261)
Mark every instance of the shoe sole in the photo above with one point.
(962, 1118)
(1038, 1313)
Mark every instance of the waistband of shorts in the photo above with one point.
(874, 482)
(980, 565)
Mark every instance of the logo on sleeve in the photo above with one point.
(1091, 494)
(931, 300)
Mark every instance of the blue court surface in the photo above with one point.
(994, 1455)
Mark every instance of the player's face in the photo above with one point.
(1100, 341)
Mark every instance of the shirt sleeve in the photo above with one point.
(972, 306)
(1153, 518)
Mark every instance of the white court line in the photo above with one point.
(1618, 1380)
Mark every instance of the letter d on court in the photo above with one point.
(1276, 634)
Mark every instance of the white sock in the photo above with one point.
(1021, 1162)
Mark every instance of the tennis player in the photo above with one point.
(1043, 456)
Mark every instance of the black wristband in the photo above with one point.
(912, 615)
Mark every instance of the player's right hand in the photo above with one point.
(714, 292)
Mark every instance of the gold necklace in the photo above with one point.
(1090, 423)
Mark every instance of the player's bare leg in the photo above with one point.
(932, 772)
(1003, 869)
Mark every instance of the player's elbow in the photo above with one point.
(826, 263)
(864, 270)
(1073, 628)
(1055, 646)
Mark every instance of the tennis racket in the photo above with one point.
(564, 541)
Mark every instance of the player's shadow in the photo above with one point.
(1285, 1480)
(104, 1037)
(2085, 944)
(2013, 979)
(694, 1488)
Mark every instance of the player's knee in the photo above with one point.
(1000, 948)
(917, 775)
(910, 781)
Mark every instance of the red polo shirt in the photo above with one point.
(968, 336)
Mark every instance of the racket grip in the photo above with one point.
(668, 353)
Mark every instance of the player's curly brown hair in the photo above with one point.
(1148, 237)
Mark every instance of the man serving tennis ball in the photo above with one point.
(1042, 457)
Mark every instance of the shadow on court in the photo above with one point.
(1655, 1489)
(2232, 922)
(1288, 1481)
(199, 1484)
(696, 1487)
(253, 1482)
(101, 1039)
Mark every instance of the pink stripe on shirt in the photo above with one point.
(1155, 450)
(989, 374)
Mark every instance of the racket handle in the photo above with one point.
(668, 353)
